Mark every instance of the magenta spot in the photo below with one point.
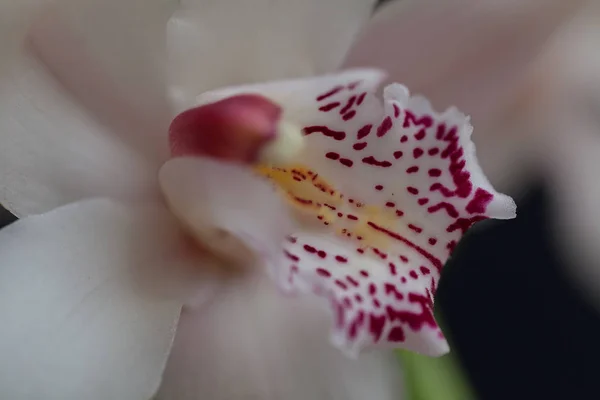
(415, 228)
(379, 187)
(321, 254)
(385, 127)
(403, 139)
(480, 201)
(373, 161)
(376, 303)
(413, 274)
(390, 204)
(329, 107)
(353, 85)
(358, 298)
(424, 270)
(412, 170)
(433, 151)
(346, 162)
(422, 201)
(348, 105)
(349, 115)
(390, 288)
(412, 190)
(376, 325)
(396, 335)
(291, 256)
(352, 217)
(404, 259)
(361, 98)
(352, 281)
(341, 284)
(398, 154)
(372, 289)
(364, 273)
(399, 213)
(450, 209)
(309, 249)
(432, 241)
(330, 93)
(323, 272)
(426, 120)
(332, 155)
(435, 172)
(392, 268)
(396, 110)
(364, 131)
(420, 135)
(359, 146)
(418, 152)
(403, 280)
(337, 135)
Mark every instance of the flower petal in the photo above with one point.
(253, 343)
(214, 44)
(52, 152)
(467, 53)
(228, 208)
(77, 319)
(379, 298)
(417, 169)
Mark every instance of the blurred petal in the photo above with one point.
(466, 53)
(228, 208)
(569, 144)
(253, 343)
(52, 151)
(220, 43)
(78, 321)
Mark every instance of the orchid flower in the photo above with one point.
(349, 202)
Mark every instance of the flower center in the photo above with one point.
(314, 197)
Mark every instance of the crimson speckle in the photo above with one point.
(432, 241)
(434, 172)
(341, 284)
(341, 259)
(433, 151)
(361, 98)
(422, 201)
(424, 270)
(396, 110)
(323, 272)
(412, 170)
(337, 135)
(379, 187)
(364, 273)
(418, 152)
(412, 190)
(420, 135)
(349, 115)
(373, 161)
(359, 146)
(480, 201)
(413, 274)
(398, 154)
(330, 93)
(329, 107)
(392, 268)
(321, 254)
(403, 139)
(332, 155)
(399, 213)
(364, 131)
(390, 204)
(348, 105)
(352, 281)
(352, 217)
(415, 228)
(385, 127)
(346, 162)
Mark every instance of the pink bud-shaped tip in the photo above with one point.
(232, 129)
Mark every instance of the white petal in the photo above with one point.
(228, 208)
(464, 53)
(52, 151)
(222, 43)
(253, 343)
(78, 319)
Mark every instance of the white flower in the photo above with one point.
(92, 290)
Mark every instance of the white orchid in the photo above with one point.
(359, 213)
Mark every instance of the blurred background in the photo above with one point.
(522, 327)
